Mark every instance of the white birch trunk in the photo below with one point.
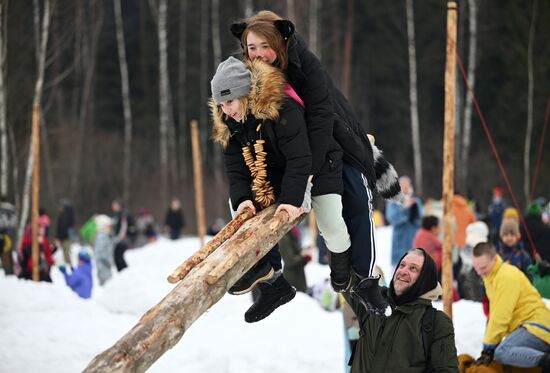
(413, 96)
(163, 101)
(127, 109)
(530, 89)
(471, 71)
(41, 62)
(248, 8)
(4, 159)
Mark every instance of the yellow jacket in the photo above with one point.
(514, 302)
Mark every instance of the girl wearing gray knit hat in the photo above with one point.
(267, 160)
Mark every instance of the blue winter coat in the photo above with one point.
(405, 222)
(80, 281)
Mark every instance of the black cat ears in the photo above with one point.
(237, 29)
(285, 27)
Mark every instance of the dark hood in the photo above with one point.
(426, 282)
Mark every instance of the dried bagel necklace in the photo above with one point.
(261, 187)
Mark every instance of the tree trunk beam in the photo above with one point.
(229, 230)
(164, 324)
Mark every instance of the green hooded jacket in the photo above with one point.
(394, 343)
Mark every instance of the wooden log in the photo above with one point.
(229, 230)
(164, 324)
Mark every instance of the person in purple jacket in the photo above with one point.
(80, 280)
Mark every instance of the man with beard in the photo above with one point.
(397, 343)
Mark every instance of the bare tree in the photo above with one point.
(4, 159)
(530, 89)
(125, 87)
(163, 100)
(203, 78)
(291, 11)
(216, 42)
(217, 52)
(248, 8)
(15, 172)
(467, 124)
(413, 97)
(182, 84)
(41, 62)
(314, 5)
(348, 43)
(89, 19)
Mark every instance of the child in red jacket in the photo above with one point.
(45, 258)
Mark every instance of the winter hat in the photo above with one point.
(509, 226)
(476, 232)
(231, 81)
(103, 222)
(426, 281)
(498, 192)
(534, 209)
(510, 213)
(84, 256)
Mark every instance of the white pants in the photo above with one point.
(331, 224)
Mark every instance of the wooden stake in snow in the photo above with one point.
(179, 273)
(163, 325)
(197, 173)
(35, 189)
(448, 158)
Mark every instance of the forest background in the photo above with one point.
(120, 82)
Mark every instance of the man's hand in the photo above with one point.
(246, 204)
(293, 211)
(486, 356)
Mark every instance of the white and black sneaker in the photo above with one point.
(260, 272)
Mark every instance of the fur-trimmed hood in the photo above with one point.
(264, 100)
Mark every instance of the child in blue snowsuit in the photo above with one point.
(80, 280)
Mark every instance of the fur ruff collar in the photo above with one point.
(264, 100)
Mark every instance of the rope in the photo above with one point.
(496, 154)
(539, 151)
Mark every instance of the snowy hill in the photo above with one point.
(45, 327)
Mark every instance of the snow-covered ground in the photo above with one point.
(47, 328)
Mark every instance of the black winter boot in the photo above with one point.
(367, 292)
(340, 270)
(545, 363)
(271, 296)
(260, 272)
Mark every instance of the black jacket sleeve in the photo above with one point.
(238, 174)
(293, 144)
(318, 107)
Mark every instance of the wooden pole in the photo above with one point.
(35, 188)
(197, 173)
(448, 157)
(164, 324)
